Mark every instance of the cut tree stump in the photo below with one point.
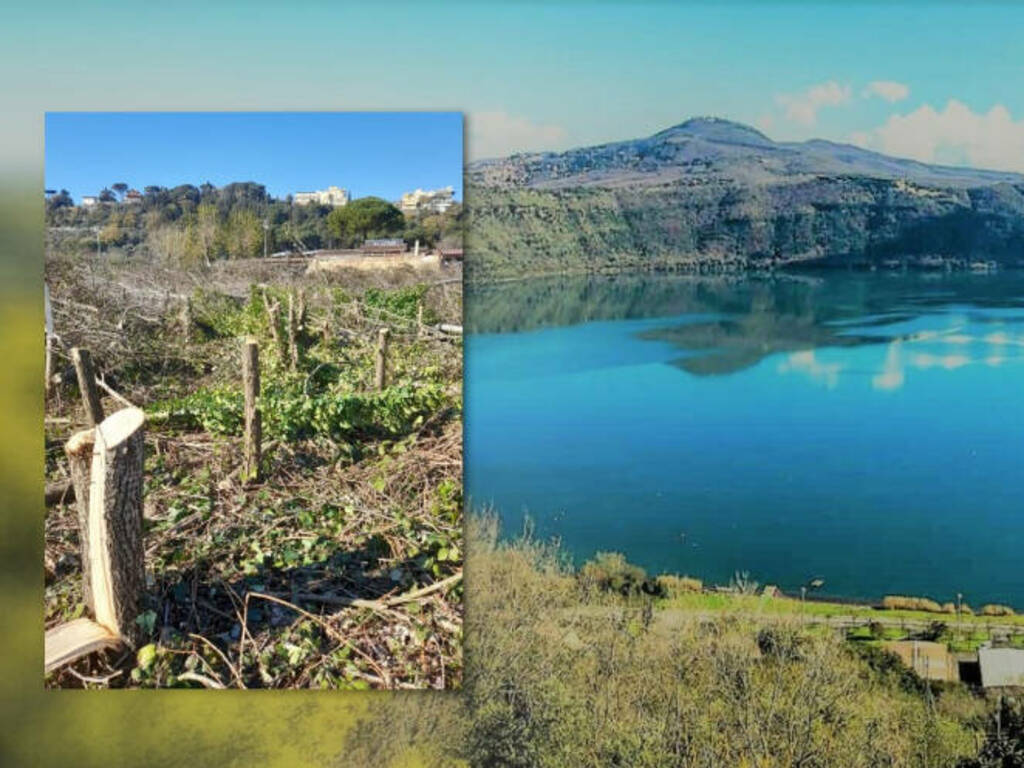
(79, 452)
(112, 565)
(117, 568)
(87, 385)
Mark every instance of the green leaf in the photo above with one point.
(146, 656)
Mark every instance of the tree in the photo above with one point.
(364, 217)
(120, 187)
(244, 234)
(61, 200)
(106, 196)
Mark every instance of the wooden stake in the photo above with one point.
(48, 370)
(117, 568)
(79, 451)
(272, 312)
(419, 318)
(253, 418)
(87, 385)
(382, 358)
(293, 341)
(186, 319)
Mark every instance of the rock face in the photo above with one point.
(712, 194)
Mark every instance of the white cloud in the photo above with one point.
(803, 107)
(497, 133)
(956, 135)
(889, 90)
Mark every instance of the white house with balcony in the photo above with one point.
(333, 195)
(427, 201)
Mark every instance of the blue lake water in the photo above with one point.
(861, 428)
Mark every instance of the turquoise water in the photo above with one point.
(860, 428)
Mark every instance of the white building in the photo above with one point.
(331, 196)
(90, 200)
(427, 201)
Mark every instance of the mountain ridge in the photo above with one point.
(701, 145)
(709, 194)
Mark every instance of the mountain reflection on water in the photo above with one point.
(733, 322)
(862, 427)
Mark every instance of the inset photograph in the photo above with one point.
(253, 400)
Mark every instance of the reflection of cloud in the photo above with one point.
(994, 360)
(958, 338)
(806, 362)
(891, 376)
(949, 362)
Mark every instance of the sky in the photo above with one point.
(382, 154)
(932, 81)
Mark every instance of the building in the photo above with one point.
(132, 197)
(931, 661)
(384, 246)
(1001, 667)
(427, 201)
(335, 196)
(90, 200)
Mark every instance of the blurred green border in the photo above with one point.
(106, 728)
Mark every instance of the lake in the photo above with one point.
(863, 428)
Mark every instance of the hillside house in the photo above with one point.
(1001, 667)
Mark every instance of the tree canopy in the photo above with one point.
(365, 217)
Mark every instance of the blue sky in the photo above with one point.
(929, 80)
(382, 154)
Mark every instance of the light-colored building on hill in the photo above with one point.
(1001, 667)
(90, 200)
(132, 197)
(931, 661)
(333, 195)
(427, 201)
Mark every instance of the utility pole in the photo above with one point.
(266, 231)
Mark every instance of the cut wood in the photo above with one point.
(253, 417)
(78, 638)
(116, 395)
(117, 569)
(293, 340)
(87, 385)
(79, 452)
(381, 375)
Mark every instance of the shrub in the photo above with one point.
(993, 609)
(674, 586)
(902, 603)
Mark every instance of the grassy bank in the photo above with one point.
(564, 672)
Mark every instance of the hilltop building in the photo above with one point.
(331, 196)
(1001, 667)
(132, 197)
(427, 201)
(90, 200)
